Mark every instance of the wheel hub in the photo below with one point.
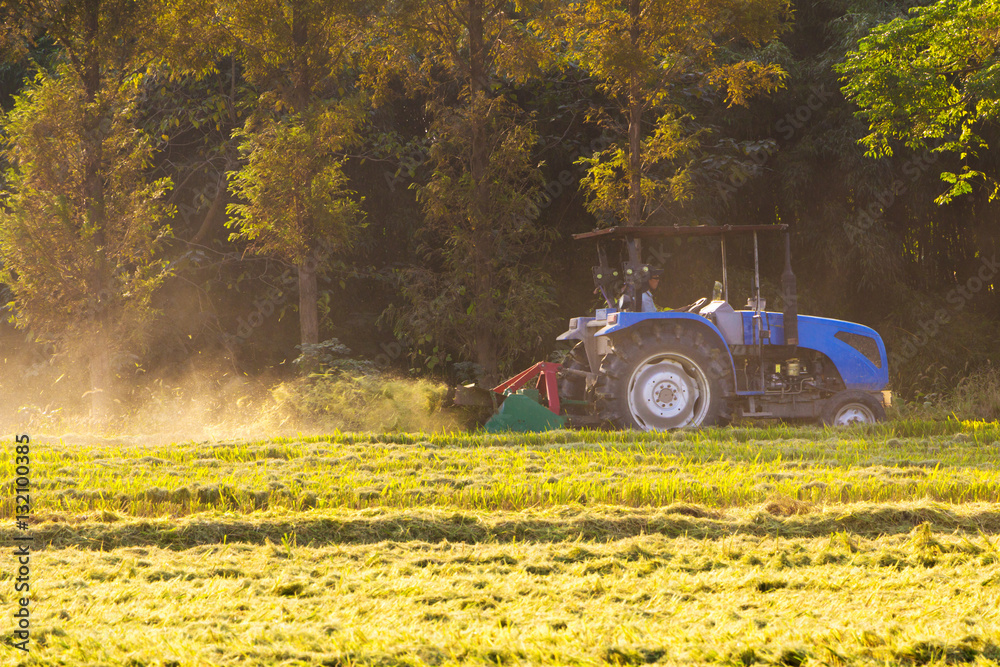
(667, 395)
(854, 413)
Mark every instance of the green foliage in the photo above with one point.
(482, 233)
(667, 165)
(644, 48)
(91, 270)
(477, 294)
(931, 81)
(293, 51)
(656, 56)
(73, 261)
(480, 44)
(330, 356)
(107, 42)
(298, 206)
(974, 395)
(928, 359)
(294, 183)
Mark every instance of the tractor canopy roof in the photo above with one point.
(676, 230)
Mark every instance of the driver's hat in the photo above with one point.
(655, 273)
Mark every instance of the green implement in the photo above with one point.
(520, 413)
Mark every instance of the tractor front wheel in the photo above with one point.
(664, 381)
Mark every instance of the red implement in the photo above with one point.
(548, 383)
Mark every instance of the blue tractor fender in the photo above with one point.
(618, 322)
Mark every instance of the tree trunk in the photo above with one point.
(101, 380)
(301, 93)
(211, 218)
(93, 139)
(308, 311)
(477, 79)
(486, 356)
(485, 346)
(634, 160)
(92, 62)
(301, 74)
(93, 146)
(635, 127)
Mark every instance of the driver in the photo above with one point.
(648, 306)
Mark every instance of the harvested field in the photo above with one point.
(790, 546)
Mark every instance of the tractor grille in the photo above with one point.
(866, 345)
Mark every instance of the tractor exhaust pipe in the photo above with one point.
(791, 313)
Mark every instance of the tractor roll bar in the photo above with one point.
(635, 270)
(676, 230)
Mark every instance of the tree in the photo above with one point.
(650, 55)
(82, 222)
(932, 81)
(298, 206)
(476, 289)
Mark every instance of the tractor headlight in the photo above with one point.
(613, 318)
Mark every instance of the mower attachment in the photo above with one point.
(522, 409)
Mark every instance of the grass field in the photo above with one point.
(787, 546)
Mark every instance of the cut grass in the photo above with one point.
(642, 600)
(511, 472)
(783, 546)
(780, 517)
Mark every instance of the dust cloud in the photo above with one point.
(48, 397)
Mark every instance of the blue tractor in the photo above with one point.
(707, 363)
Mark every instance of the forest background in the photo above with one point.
(227, 202)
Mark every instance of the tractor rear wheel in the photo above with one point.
(662, 378)
(572, 385)
(852, 407)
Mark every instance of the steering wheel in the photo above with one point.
(696, 306)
